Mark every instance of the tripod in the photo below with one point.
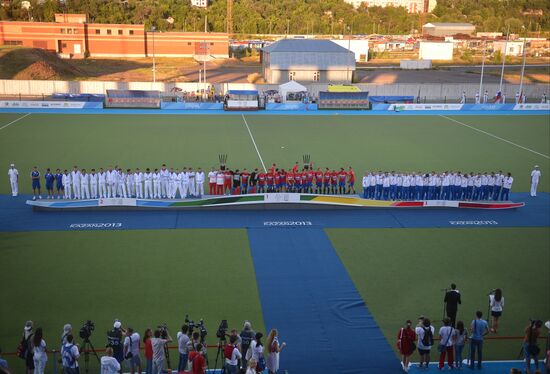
(167, 355)
(87, 347)
(221, 343)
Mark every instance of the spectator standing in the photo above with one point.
(251, 368)
(159, 360)
(274, 348)
(69, 357)
(257, 352)
(40, 356)
(14, 180)
(147, 335)
(131, 350)
(460, 339)
(114, 340)
(446, 343)
(247, 336)
(197, 361)
(405, 343)
(109, 364)
(232, 355)
(452, 299)
(183, 340)
(535, 176)
(496, 302)
(530, 346)
(26, 344)
(479, 329)
(424, 332)
(506, 187)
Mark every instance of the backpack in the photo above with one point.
(428, 338)
(67, 356)
(228, 351)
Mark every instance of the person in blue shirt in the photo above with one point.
(49, 177)
(35, 177)
(479, 329)
(59, 183)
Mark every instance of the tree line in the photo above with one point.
(291, 16)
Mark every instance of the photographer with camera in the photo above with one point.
(114, 340)
(131, 350)
(158, 343)
(183, 341)
(69, 356)
(530, 346)
(232, 355)
(247, 336)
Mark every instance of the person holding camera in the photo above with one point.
(158, 344)
(406, 338)
(114, 340)
(247, 335)
(69, 357)
(232, 355)
(496, 303)
(131, 350)
(530, 346)
(109, 364)
(183, 341)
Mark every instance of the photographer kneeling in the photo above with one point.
(232, 356)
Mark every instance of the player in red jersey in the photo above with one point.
(270, 177)
(318, 181)
(351, 180)
(342, 176)
(227, 179)
(245, 177)
(261, 182)
(333, 182)
(290, 181)
(280, 180)
(273, 168)
(326, 181)
(295, 167)
(298, 181)
(309, 175)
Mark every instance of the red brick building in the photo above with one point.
(71, 37)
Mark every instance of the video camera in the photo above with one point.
(200, 326)
(86, 330)
(222, 329)
(163, 330)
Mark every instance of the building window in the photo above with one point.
(109, 32)
(62, 31)
(97, 31)
(131, 32)
(69, 31)
(119, 32)
(13, 42)
(75, 31)
(316, 76)
(291, 75)
(189, 43)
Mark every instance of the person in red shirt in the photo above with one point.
(326, 181)
(280, 180)
(227, 178)
(148, 350)
(334, 182)
(290, 181)
(270, 180)
(318, 181)
(298, 181)
(342, 176)
(273, 168)
(295, 167)
(405, 343)
(197, 360)
(261, 182)
(245, 176)
(351, 180)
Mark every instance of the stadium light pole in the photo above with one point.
(482, 69)
(154, 62)
(349, 50)
(504, 59)
(523, 66)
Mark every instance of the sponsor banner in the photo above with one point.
(442, 203)
(290, 106)
(282, 198)
(488, 106)
(242, 103)
(473, 223)
(117, 201)
(98, 225)
(288, 223)
(192, 106)
(528, 106)
(43, 104)
(405, 107)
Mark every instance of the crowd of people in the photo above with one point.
(243, 352)
(455, 335)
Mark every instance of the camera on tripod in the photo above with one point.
(86, 330)
(163, 328)
(222, 329)
(200, 326)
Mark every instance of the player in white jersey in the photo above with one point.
(111, 178)
(84, 185)
(164, 181)
(93, 184)
(102, 180)
(178, 186)
(185, 183)
(212, 182)
(130, 184)
(535, 176)
(14, 180)
(121, 184)
(138, 183)
(75, 178)
(67, 184)
(172, 184)
(199, 180)
(506, 187)
(192, 184)
(499, 178)
(156, 184)
(220, 179)
(148, 183)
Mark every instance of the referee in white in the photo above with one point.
(14, 180)
(535, 176)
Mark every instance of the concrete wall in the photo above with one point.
(431, 92)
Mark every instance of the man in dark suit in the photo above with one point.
(452, 299)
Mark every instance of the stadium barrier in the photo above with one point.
(290, 106)
(459, 107)
(191, 106)
(51, 104)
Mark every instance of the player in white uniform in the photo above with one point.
(199, 179)
(75, 178)
(164, 181)
(506, 187)
(93, 184)
(156, 184)
(67, 184)
(110, 177)
(84, 185)
(485, 97)
(171, 184)
(220, 178)
(212, 182)
(121, 184)
(14, 180)
(185, 183)
(463, 98)
(148, 183)
(192, 185)
(102, 180)
(178, 186)
(535, 176)
(138, 182)
(130, 183)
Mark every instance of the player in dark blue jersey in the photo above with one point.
(49, 177)
(35, 177)
(59, 183)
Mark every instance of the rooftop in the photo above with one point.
(305, 45)
(447, 24)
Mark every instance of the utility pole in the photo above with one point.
(482, 69)
(205, 54)
(504, 59)
(287, 27)
(154, 62)
(523, 68)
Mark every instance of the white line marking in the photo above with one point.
(20, 118)
(254, 142)
(494, 136)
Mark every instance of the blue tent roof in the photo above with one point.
(242, 92)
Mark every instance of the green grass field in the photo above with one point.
(150, 277)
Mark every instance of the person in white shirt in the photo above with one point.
(185, 183)
(393, 186)
(131, 350)
(419, 183)
(109, 364)
(183, 348)
(385, 186)
(523, 98)
(69, 356)
(490, 185)
(425, 332)
(517, 97)
(499, 178)
(138, 179)
(506, 187)
(148, 183)
(457, 181)
(484, 184)
(365, 183)
(67, 183)
(177, 184)
(130, 184)
(157, 190)
(220, 178)
(463, 98)
(485, 97)
(192, 182)
(84, 185)
(14, 180)
(172, 176)
(93, 184)
(446, 343)
(40, 356)
(231, 364)
(75, 178)
(164, 181)
(121, 184)
(111, 177)
(535, 176)
(477, 187)
(102, 180)
(406, 189)
(477, 97)
(199, 180)
(212, 182)
(496, 302)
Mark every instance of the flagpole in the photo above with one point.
(522, 69)
(482, 69)
(504, 59)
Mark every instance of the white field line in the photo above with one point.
(496, 137)
(254, 142)
(20, 118)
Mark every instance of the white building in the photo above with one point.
(199, 3)
(513, 48)
(359, 47)
(412, 6)
(436, 51)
